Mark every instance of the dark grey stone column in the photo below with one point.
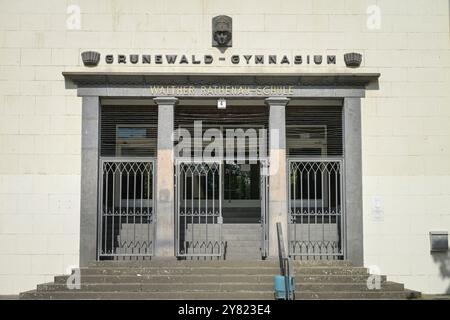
(165, 208)
(353, 180)
(277, 179)
(89, 179)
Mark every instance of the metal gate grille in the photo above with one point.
(316, 209)
(127, 208)
(199, 208)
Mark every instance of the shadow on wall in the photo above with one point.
(443, 260)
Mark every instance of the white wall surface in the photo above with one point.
(406, 123)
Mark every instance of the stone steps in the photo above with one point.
(251, 237)
(216, 287)
(334, 279)
(368, 295)
(268, 295)
(161, 287)
(216, 263)
(200, 270)
(243, 240)
(242, 255)
(149, 295)
(242, 235)
(203, 280)
(253, 244)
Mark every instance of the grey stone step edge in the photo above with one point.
(199, 278)
(212, 295)
(212, 287)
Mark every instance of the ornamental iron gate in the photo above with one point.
(199, 208)
(316, 209)
(127, 208)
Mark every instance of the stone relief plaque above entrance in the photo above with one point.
(222, 32)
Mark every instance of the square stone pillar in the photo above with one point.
(90, 121)
(165, 208)
(353, 181)
(278, 211)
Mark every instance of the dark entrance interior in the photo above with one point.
(241, 193)
(241, 183)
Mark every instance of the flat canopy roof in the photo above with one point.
(87, 79)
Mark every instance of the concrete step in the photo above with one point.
(334, 278)
(239, 256)
(268, 279)
(180, 270)
(217, 279)
(237, 232)
(226, 236)
(346, 287)
(332, 270)
(226, 233)
(243, 242)
(322, 263)
(246, 246)
(241, 226)
(160, 287)
(195, 263)
(249, 235)
(366, 295)
(299, 270)
(230, 230)
(241, 295)
(74, 295)
(201, 262)
(242, 255)
(226, 228)
(217, 286)
(244, 250)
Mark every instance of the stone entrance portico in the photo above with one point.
(346, 88)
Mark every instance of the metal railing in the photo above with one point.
(316, 209)
(264, 191)
(127, 208)
(286, 268)
(199, 208)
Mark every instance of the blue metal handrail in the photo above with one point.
(285, 265)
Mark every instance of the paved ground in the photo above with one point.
(9, 297)
(424, 297)
(435, 297)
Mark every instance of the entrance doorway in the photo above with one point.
(245, 210)
(241, 194)
(221, 196)
(221, 209)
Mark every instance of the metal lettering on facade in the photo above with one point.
(209, 59)
(222, 91)
(92, 59)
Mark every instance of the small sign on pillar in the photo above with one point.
(221, 104)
